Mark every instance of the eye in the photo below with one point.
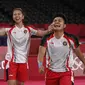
(54, 20)
(18, 13)
(59, 20)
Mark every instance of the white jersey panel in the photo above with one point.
(58, 50)
(20, 44)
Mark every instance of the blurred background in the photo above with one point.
(40, 13)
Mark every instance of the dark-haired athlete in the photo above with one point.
(58, 46)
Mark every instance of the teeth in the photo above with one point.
(56, 25)
(17, 19)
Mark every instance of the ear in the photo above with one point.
(64, 25)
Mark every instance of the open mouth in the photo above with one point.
(17, 19)
(57, 25)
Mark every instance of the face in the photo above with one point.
(18, 16)
(58, 23)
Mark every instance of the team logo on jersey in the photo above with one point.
(25, 31)
(64, 43)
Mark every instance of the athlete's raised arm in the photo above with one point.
(41, 32)
(49, 30)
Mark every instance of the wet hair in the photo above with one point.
(62, 16)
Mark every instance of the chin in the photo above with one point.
(17, 22)
(57, 29)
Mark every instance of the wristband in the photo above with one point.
(40, 64)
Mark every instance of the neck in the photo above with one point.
(58, 34)
(19, 25)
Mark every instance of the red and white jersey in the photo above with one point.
(71, 59)
(18, 42)
(58, 51)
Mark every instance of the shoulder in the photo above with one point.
(71, 36)
(47, 36)
(30, 27)
(10, 29)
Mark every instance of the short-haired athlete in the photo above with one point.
(57, 47)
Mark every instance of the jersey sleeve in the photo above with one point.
(44, 40)
(32, 31)
(74, 42)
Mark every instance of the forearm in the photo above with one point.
(41, 54)
(80, 55)
(42, 33)
(40, 59)
(82, 58)
(45, 32)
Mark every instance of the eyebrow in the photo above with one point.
(59, 19)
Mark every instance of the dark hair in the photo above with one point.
(23, 12)
(62, 16)
(20, 9)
